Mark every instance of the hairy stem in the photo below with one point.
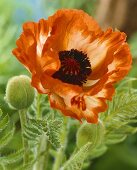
(43, 147)
(39, 114)
(58, 159)
(61, 151)
(23, 121)
(42, 154)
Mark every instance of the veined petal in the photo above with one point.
(29, 49)
(70, 27)
(83, 106)
(121, 64)
(50, 62)
(94, 106)
(101, 52)
(58, 103)
(37, 84)
(63, 90)
(39, 33)
(107, 92)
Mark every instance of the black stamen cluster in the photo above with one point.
(84, 69)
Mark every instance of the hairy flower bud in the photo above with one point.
(90, 133)
(19, 92)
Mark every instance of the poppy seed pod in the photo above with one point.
(90, 133)
(19, 92)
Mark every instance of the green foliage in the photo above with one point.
(97, 152)
(119, 122)
(121, 116)
(7, 33)
(4, 121)
(6, 130)
(40, 105)
(53, 129)
(133, 45)
(18, 166)
(37, 128)
(12, 158)
(52, 6)
(76, 161)
(33, 130)
(71, 3)
(6, 37)
(25, 167)
(90, 133)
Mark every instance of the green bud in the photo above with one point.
(19, 92)
(90, 133)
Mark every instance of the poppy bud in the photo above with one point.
(19, 92)
(90, 133)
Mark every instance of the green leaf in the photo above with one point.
(19, 166)
(97, 152)
(4, 122)
(12, 158)
(51, 128)
(6, 137)
(1, 113)
(120, 117)
(53, 132)
(76, 161)
(25, 167)
(6, 130)
(33, 131)
(40, 104)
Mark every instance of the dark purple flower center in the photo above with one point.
(75, 67)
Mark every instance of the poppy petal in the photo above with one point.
(121, 64)
(101, 52)
(68, 28)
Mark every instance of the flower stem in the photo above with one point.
(43, 147)
(58, 159)
(60, 153)
(39, 114)
(42, 154)
(23, 121)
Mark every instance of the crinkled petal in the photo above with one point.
(109, 64)
(57, 102)
(58, 87)
(30, 45)
(101, 52)
(70, 30)
(121, 64)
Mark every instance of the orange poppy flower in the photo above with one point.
(73, 61)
